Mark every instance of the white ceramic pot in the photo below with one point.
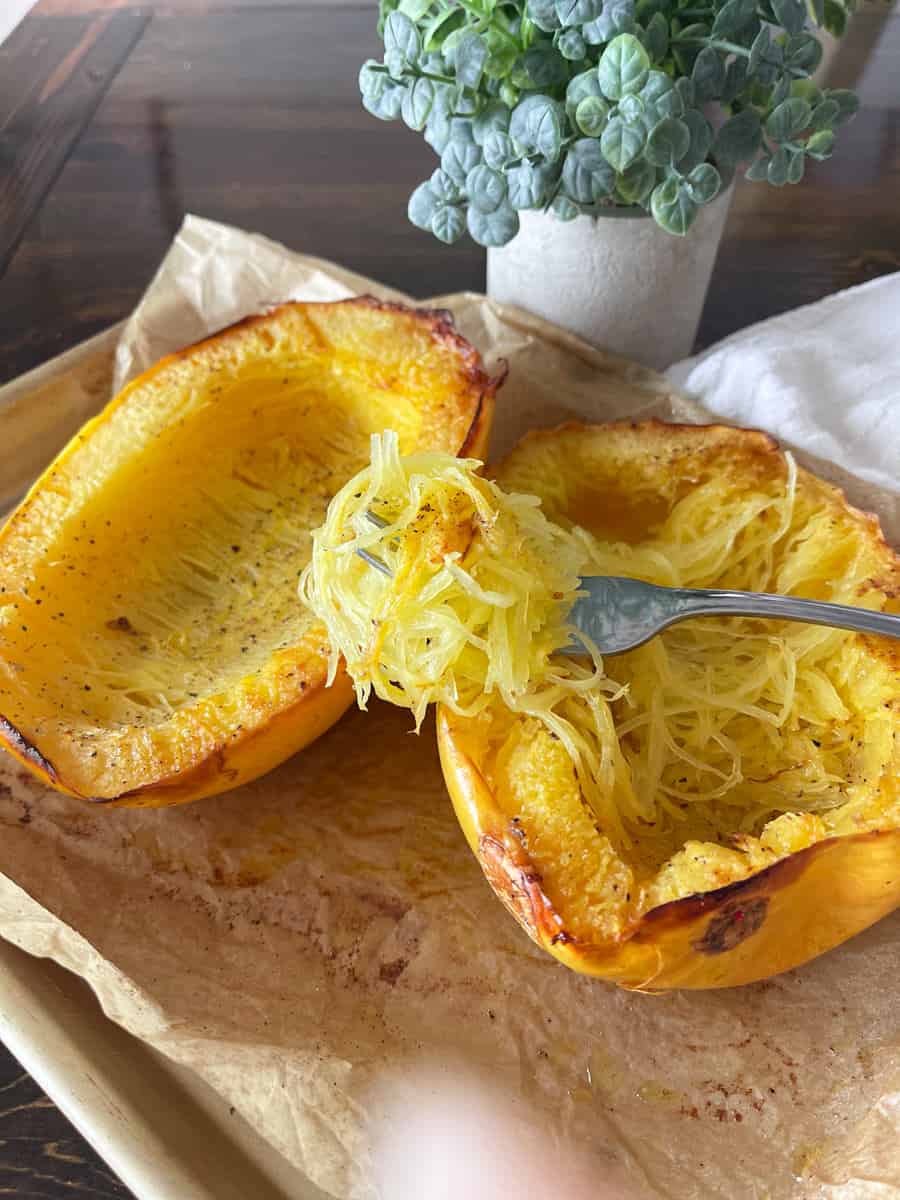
(619, 281)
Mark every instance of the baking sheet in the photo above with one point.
(293, 941)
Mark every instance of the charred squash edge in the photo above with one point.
(515, 878)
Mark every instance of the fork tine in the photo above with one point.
(372, 559)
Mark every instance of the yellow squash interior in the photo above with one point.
(148, 585)
(833, 752)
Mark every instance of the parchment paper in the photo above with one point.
(295, 939)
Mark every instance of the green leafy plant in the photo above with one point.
(577, 106)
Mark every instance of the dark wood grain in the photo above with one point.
(252, 116)
(248, 112)
(41, 1156)
(53, 74)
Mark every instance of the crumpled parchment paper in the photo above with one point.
(296, 939)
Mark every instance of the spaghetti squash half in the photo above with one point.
(709, 809)
(151, 646)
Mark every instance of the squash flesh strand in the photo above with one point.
(692, 762)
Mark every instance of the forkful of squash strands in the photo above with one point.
(619, 614)
(436, 586)
(474, 589)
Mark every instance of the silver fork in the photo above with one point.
(620, 614)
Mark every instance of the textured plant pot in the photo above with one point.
(619, 281)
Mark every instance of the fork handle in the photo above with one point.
(711, 602)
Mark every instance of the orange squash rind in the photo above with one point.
(793, 909)
(152, 647)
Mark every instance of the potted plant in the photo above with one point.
(551, 116)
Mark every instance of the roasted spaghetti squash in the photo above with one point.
(709, 809)
(151, 647)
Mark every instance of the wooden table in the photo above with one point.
(116, 119)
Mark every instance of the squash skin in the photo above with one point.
(293, 706)
(778, 918)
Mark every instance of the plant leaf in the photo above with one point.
(495, 228)
(536, 126)
(370, 77)
(623, 68)
(791, 117)
(735, 80)
(423, 204)
(385, 8)
(501, 56)
(543, 67)
(820, 145)
(790, 14)
(414, 9)
(449, 223)
(670, 104)
(461, 129)
(617, 17)
(621, 143)
(824, 115)
(668, 142)
(530, 185)
(758, 171)
(587, 176)
(685, 89)
(581, 87)
(658, 85)
(734, 16)
(759, 50)
(631, 108)
(493, 118)
(385, 100)
(701, 139)
(835, 19)
(672, 206)
(439, 28)
(738, 139)
(471, 55)
(459, 158)
(803, 52)
(509, 94)
(703, 183)
(656, 37)
(796, 166)
(498, 149)
(708, 74)
(485, 188)
(847, 102)
(564, 209)
(402, 37)
(591, 116)
(781, 91)
(778, 168)
(418, 101)
(466, 104)
(571, 46)
(437, 131)
(636, 184)
(444, 187)
(544, 15)
(577, 12)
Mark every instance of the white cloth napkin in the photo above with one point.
(825, 377)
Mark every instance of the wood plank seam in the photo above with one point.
(40, 131)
